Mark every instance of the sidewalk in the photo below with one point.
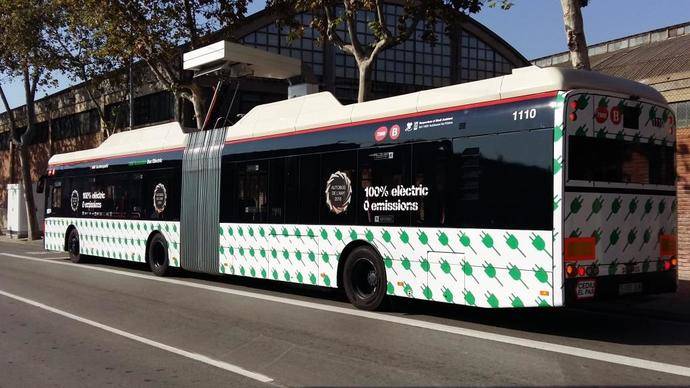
(5, 238)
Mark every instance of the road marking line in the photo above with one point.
(181, 352)
(500, 338)
(40, 253)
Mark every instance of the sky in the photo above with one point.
(533, 27)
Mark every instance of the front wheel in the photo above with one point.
(158, 255)
(364, 279)
(73, 247)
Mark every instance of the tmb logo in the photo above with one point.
(381, 133)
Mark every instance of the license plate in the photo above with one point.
(629, 288)
(585, 289)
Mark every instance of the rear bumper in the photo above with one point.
(607, 287)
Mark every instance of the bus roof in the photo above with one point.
(323, 109)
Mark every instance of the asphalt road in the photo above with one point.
(109, 323)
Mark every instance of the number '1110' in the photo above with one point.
(524, 114)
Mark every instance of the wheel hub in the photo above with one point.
(365, 278)
(74, 246)
(372, 279)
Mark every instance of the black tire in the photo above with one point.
(73, 247)
(364, 279)
(157, 254)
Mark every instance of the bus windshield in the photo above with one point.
(620, 161)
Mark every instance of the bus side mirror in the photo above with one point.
(41, 184)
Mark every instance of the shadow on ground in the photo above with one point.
(623, 326)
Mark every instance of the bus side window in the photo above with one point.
(292, 199)
(135, 205)
(251, 191)
(227, 194)
(276, 193)
(54, 200)
(309, 189)
(430, 172)
(504, 180)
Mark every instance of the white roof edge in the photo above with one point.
(144, 140)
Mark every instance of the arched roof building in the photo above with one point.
(471, 52)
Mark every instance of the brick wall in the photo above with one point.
(683, 166)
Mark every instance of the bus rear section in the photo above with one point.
(619, 200)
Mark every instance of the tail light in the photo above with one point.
(667, 265)
(581, 271)
(674, 261)
(570, 270)
(593, 270)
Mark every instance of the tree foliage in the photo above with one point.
(26, 55)
(157, 32)
(329, 17)
(78, 48)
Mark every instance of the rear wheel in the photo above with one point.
(364, 279)
(158, 255)
(73, 247)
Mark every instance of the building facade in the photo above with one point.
(68, 120)
(661, 59)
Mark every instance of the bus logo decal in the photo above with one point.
(602, 112)
(381, 133)
(338, 192)
(160, 198)
(74, 201)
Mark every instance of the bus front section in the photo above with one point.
(619, 198)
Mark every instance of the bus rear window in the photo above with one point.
(620, 161)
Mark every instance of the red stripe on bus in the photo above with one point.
(336, 126)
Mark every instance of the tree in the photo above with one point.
(26, 55)
(79, 47)
(329, 15)
(157, 32)
(575, 33)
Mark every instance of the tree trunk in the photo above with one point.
(28, 193)
(200, 102)
(575, 33)
(30, 82)
(12, 147)
(363, 92)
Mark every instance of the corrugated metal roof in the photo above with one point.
(647, 61)
(662, 64)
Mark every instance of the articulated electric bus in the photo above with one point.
(539, 188)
